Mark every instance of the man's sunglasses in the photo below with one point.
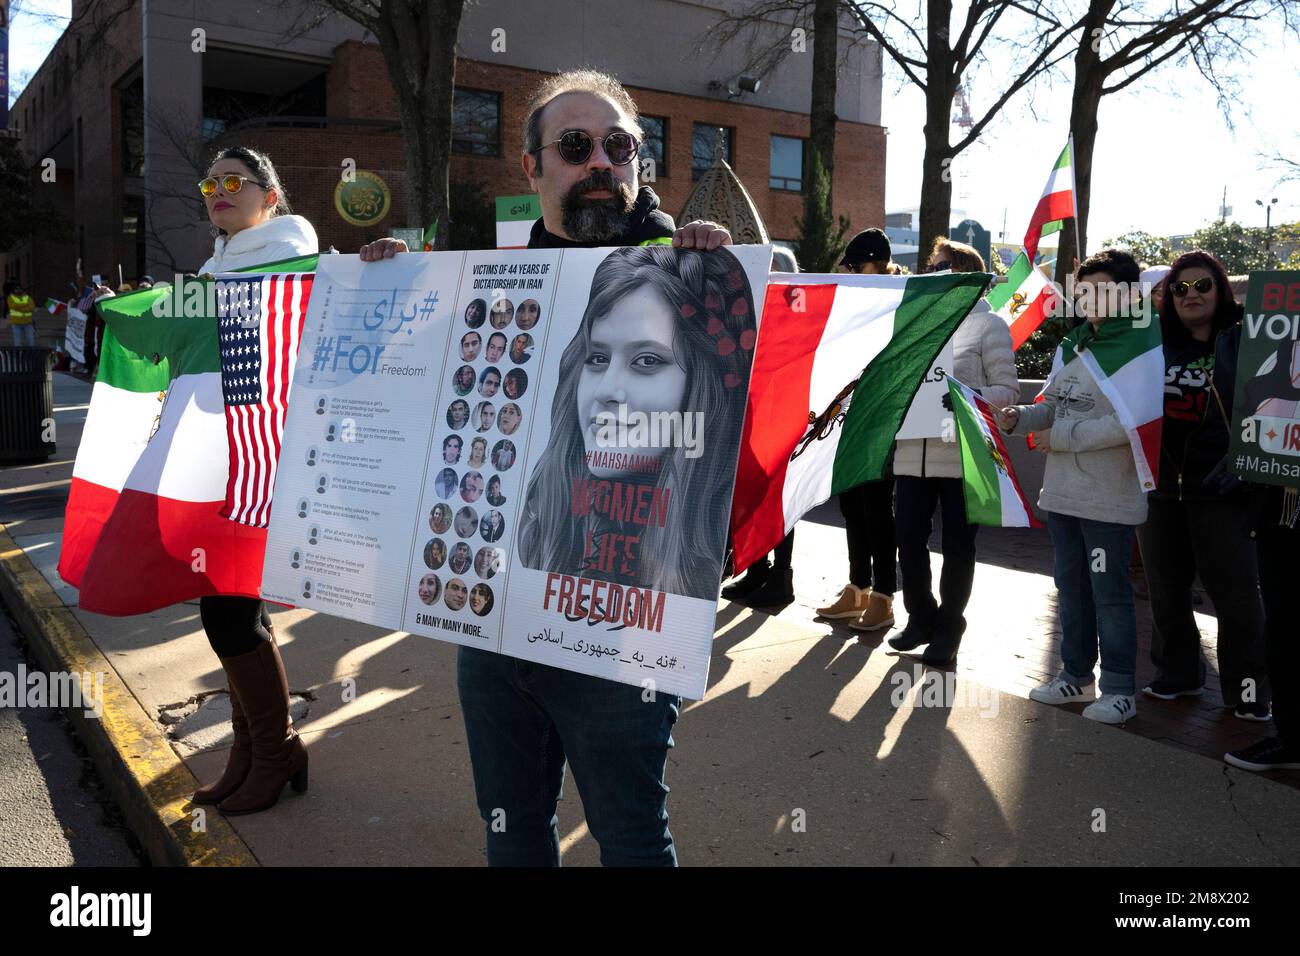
(575, 147)
(938, 266)
(1202, 285)
(231, 184)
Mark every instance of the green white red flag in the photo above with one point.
(144, 527)
(1055, 205)
(1024, 300)
(838, 361)
(1126, 358)
(992, 492)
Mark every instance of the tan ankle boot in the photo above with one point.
(850, 604)
(879, 613)
(237, 763)
(279, 756)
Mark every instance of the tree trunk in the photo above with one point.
(819, 243)
(419, 46)
(936, 176)
(1089, 77)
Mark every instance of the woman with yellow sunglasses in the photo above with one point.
(249, 211)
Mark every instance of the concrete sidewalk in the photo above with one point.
(799, 754)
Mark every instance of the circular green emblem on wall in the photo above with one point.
(364, 201)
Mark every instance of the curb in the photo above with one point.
(140, 770)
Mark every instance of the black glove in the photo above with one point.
(1222, 482)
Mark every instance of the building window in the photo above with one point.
(132, 112)
(212, 128)
(703, 140)
(133, 232)
(787, 163)
(476, 122)
(245, 88)
(654, 145)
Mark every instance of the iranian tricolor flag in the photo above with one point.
(993, 495)
(515, 218)
(143, 527)
(1024, 300)
(1126, 359)
(838, 361)
(1056, 203)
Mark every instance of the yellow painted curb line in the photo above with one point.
(138, 766)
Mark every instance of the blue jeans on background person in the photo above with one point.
(24, 335)
(1096, 606)
(524, 720)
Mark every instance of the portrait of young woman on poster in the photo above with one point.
(667, 334)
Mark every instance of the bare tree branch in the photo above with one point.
(1041, 64)
(909, 65)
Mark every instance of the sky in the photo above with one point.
(1164, 150)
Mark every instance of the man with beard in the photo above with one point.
(588, 197)
(581, 138)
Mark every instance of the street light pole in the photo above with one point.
(1268, 229)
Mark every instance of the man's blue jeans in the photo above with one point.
(523, 720)
(1095, 601)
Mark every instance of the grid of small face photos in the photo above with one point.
(474, 469)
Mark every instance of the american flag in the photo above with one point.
(259, 324)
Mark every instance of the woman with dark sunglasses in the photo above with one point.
(251, 225)
(1201, 519)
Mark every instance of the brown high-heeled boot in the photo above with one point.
(279, 756)
(237, 764)
(240, 759)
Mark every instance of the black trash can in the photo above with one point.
(26, 404)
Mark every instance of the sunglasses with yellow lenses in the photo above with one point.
(231, 184)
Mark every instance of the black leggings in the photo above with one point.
(1277, 548)
(868, 511)
(784, 553)
(234, 625)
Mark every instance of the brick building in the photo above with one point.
(131, 106)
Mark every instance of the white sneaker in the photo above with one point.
(1057, 691)
(1112, 708)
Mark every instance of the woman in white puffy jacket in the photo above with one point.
(927, 476)
(250, 216)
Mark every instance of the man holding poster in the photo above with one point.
(524, 720)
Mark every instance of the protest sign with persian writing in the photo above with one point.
(1265, 438)
(530, 452)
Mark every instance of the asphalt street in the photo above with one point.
(53, 809)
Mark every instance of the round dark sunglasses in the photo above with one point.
(575, 146)
(1202, 285)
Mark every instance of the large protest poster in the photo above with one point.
(530, 452)
(1265, 439)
